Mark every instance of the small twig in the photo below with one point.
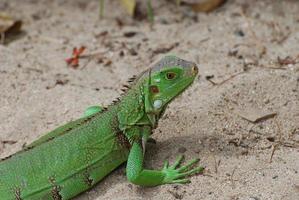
(285, 144)
(203, 40)
(280, 35)
(208, 78)
(230, 78)
(271, 67)
(217, 163)
(279, 129)
(231, 177)
(213, 83)
(284, 38)
(92, 54)
(8, 142)
(274, 147)
(88, 60)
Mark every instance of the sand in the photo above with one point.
(241, 80)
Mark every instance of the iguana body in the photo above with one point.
(74, 157)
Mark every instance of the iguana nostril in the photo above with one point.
(194, 70)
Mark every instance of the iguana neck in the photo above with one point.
(135, 108)
(131, 110)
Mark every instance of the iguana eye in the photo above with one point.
(170, 75)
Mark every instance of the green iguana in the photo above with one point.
(75, 156)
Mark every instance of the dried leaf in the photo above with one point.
(129, 5)
(255, 115)
(286, 61)
(61, 82)
(130, 34)
(165, 48)
(8, 26)
(207, 6)
(74, 60)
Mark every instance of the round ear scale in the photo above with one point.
(157, 104)
(154, 89)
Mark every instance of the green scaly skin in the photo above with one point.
(75, 156)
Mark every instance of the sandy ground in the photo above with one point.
(236, 48)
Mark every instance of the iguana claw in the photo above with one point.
(178, 175)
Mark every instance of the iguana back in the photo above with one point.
(64, 166)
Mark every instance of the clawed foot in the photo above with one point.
(175, 174)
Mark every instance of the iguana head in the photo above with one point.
(165, 80)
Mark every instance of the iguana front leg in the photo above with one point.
(169, 174)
